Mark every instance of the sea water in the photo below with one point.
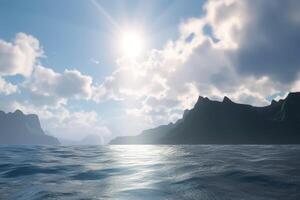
(150, 172)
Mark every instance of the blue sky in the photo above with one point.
(75, 35)
(77, 74)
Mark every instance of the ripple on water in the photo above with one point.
(150, 172)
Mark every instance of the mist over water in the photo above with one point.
(150, 172)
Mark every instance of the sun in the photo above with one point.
(132, 43)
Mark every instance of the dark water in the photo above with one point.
(150, 172)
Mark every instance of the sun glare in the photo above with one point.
(132, 44)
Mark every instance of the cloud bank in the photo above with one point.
(247, 50)
(48, 91)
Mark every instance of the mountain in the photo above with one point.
(226, 122)
(18, 128)
(91, 139)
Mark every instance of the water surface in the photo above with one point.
(150, 172)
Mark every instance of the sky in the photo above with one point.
(111, 68)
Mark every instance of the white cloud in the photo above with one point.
(203, 63)
(63, 123)
(48, 91)
(55, 88)
(226, 18)
(7, 88)
(235, 49)
(19, 56)
(79, 124)
(295, 86)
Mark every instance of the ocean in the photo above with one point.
(202, 172)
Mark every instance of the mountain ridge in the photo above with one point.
(19, 128)
(227, 122)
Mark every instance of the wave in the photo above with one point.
(150, 172)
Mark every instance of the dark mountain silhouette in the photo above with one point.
(18, 128)
(226, 122)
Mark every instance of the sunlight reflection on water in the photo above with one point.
(150, 172)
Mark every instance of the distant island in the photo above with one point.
(226, 122)
(91, 139)
(18, 128)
